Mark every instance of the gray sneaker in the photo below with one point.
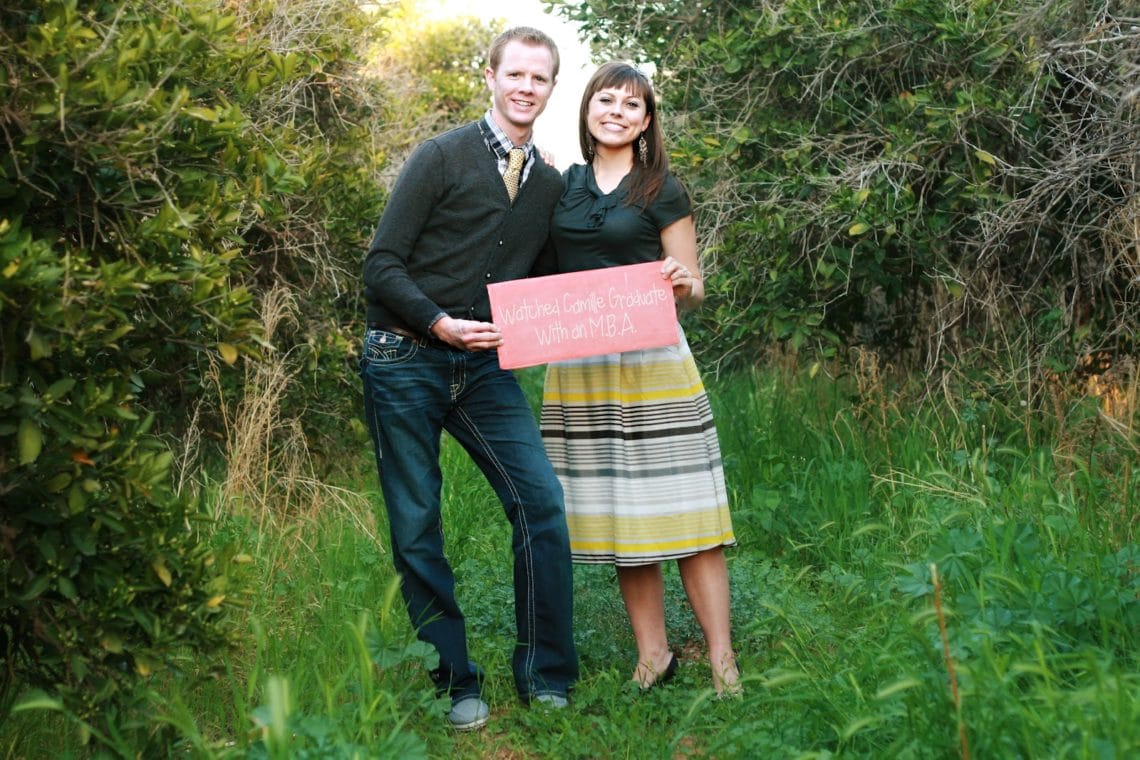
(551, 701)
(468, 713)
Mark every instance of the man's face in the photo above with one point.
(521, 86)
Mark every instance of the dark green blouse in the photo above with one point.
(591, 229)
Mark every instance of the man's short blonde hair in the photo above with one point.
(526, 34)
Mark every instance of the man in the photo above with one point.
(454, 223)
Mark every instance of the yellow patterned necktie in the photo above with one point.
(514, 169)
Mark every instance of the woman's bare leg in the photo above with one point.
(643, 589)
(705, 577)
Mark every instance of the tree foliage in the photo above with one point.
(433, 70)
(919, 177)
(168, 168)
(123, 184)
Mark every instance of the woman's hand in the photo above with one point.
(680, 264)
(688, 288)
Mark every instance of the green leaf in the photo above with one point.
(37, 700)
(160, 569)
(29, 441)
(67, 588)
(83, 539)
(204, 114)
(40, 348)
(38, 585)
(229, 352)
(985, 157)
(76, 499)
(124, 413)
(58, 482)
(60, 388)
(858, 725)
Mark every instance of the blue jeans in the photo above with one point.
(413, 390)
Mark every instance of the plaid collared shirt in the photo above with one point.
(499, 144)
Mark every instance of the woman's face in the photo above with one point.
(616, 117)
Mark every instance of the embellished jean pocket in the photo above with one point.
(388, 348)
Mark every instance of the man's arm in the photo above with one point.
(415, 194)
(409, 206)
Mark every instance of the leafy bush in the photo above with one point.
(139, 200)
(104, 578)
(918, 177)
(120, 190)
(171, 170)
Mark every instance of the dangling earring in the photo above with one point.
(643, 150)
(589, 147)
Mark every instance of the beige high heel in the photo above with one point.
(726, 688)
(661, 678)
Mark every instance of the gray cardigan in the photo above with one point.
(449, 230)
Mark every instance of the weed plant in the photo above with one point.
(918, 576)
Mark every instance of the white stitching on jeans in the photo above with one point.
(528, 559)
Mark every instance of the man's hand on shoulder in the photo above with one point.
(547, 156)
(467, 334)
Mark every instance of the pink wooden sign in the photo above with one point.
(569, 316)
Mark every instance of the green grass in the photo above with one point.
(843, 502)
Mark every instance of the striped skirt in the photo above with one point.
(632, 439)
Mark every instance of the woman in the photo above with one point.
(631, 435)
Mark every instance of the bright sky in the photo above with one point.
(556, 131)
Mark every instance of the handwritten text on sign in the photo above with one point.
(570, 316)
